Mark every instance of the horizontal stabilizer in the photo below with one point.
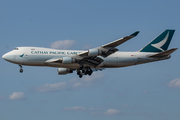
(165, 53)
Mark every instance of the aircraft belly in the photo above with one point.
(110, 62)
(119, 61)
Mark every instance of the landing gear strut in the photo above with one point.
(21, 70)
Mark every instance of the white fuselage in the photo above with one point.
(36, 56)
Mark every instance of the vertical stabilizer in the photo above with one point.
(160, 43)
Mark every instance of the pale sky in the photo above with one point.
(143, 92)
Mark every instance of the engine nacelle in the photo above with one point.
(67, 60)
(64, 71)
(94, 52)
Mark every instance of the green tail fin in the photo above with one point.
(160, 43)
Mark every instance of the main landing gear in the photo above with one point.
(21, 70)
(84, 71)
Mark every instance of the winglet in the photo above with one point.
(134, 34)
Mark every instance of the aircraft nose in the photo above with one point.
(4, 56)
(8, 57)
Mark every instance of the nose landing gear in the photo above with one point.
(21, 70)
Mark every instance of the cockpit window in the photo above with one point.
(15, 48)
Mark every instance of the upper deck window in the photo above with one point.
(15, 48)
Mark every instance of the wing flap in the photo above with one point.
(93, 61)
(109, 52)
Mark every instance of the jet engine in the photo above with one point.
(67, 60)
(64, 71)
(94, 52)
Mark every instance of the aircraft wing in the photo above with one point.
(92, 56)
(90, 61)
(109, 48)
(120, 41)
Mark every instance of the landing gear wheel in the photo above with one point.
(90, 72)
(78, 73)
(80, 76)
(86, 72)
(83, 71)
(21, 70)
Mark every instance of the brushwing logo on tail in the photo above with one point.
(160, 44)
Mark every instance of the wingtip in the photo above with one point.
(135, 33)
(170, 29)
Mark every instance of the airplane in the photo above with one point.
(85, 62)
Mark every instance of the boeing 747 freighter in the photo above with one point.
(85, 62)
